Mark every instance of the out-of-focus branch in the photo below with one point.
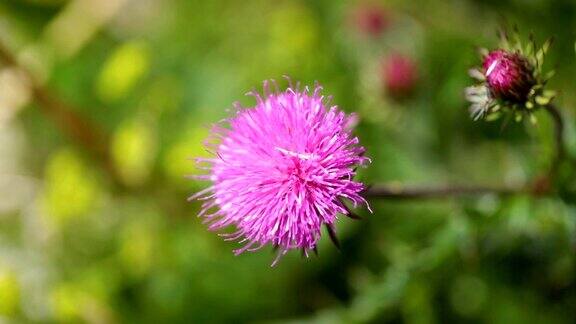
(67, 118)
(539, 186)
(399, 192)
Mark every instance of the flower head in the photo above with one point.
(511, 80)
(509, 75)
(281, 171)
(399, 74)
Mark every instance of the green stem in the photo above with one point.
(559, 150)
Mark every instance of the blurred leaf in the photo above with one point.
(134, 150)
(83, 300)
(9, 293)
(122, 71)
(178, 161)
(70, 187)
(137, 242)
(417, 305)
(520, 216)
(380, 296)
(67, 301)
(163, 96)
(294, 35)
(468, 295)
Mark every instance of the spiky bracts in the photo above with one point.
(511, 80)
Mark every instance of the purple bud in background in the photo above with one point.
(400, 75)
(371, 20)
(281, 171)
(509, 75)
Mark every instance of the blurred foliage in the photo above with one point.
(125, 66)
(75, 246)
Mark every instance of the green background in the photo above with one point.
(154, 74)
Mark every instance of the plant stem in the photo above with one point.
(559, 153)
(539, 186)
(400, 192)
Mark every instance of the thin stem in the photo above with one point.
(538, 187)
(559, 153)
(401, 192)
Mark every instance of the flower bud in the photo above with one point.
(400, 75)
(509, 75)
(510, 81)
(371, 20)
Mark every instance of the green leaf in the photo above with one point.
(122, 71)
(134, 150)
(71, 189)
(9, 293)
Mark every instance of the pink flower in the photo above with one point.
(509, 75)
(400, 75)
(281, 171)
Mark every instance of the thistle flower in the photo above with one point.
(399, 75)
(508, 75)
(282, 169)
(510, 80)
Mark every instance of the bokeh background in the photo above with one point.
(102, 102)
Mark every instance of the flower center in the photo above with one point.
(297, 165)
